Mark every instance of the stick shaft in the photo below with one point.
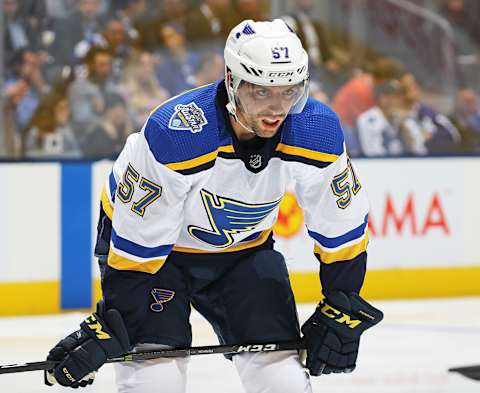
(166, 353)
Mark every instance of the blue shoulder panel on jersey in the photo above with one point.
(314, 136)
(182, 133)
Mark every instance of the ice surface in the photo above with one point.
(409, 352)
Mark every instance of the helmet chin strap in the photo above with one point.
(233, 112)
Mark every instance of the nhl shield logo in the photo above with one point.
(188, 118)
(161, 296)
(255, 161)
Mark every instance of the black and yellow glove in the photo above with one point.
(333, 332)
(102, 335)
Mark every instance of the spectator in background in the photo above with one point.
(358, 94)
(26, 87)
(106, 137)
(211, 22)
(351, 140)
(173, 11)
(473, 7)
(377, 128)
(256, 10)
(11, 96)
(317, 91)
(116, 40)
(58, 9)
(210, 69)
(35, 11)
(113, 37)
(17, 31)
(466, 29)
(51, 134)
(176, 71)
(322, 63)
(132, 15)
(87, 93)
(464, 20)
(169, 11)
(466, 117)
(425, 130)
(141, 88)
(78, 27)
(116, 37)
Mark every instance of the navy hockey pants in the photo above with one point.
(246, 296)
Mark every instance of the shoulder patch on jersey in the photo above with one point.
(193, 112)
(187, 117)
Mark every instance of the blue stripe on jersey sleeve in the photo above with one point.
(332, 242)
(113, 186)
(137, 250)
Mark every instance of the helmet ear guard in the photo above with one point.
(229, 83)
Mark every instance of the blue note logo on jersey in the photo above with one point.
(188, 118)
(227, 217)
(161, 296)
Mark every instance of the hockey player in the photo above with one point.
(187, 216)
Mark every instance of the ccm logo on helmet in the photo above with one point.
(280, 74)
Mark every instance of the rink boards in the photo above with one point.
(423, 230)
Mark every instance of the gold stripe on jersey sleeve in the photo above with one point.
(106, 204)
(307, 153)
(194, 162)
(344, 254)
(226, 149)
(258, 241)
(121, 263)
(200, 160)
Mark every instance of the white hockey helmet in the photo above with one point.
(265, 54)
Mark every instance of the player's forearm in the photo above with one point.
(345, 276)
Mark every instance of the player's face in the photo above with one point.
(264, 108)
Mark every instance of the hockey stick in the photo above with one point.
(472, 372)
(166, 353)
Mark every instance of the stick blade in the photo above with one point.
(472, 372)
(23, 367)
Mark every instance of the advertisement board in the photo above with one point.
(423, 223)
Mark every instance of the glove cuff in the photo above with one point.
(349, 315)
(108, 330)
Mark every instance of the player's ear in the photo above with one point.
(229, 78)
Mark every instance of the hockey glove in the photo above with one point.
(333, 332)
(102, 335)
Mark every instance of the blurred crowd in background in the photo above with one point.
(80, 75)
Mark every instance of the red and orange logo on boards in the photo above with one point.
(290, 217)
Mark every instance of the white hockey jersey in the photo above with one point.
(185, 183)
